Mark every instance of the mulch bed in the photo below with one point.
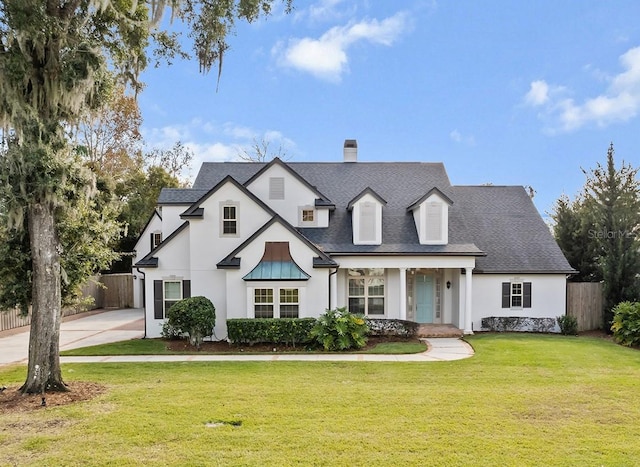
(225, 347)
(12, 401)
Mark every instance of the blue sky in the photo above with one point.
(502, 92)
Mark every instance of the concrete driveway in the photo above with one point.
(78, 331)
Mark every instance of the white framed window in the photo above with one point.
(366, 291)
(156, 239)
(289, 305)
(276, 188)
(172, 293)
(307, 216)
(516, 295)
(229, 219)
(263, 303)
(276, 303)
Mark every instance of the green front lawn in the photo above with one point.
(159, 347)
(521, 400)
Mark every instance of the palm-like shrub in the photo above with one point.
(340, 330)
(626, 323)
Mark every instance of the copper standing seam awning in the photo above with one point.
(277, 265)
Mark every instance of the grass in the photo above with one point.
(130, 347)
(158, 347)
(521, 400)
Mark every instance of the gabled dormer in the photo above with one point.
(366, 217)
(431, 216)
(290, 195)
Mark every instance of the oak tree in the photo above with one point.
(59, 58)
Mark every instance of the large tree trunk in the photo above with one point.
(44, 372)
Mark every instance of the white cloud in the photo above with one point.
(325, 10)
(238, 131)
(326, 57)
(538, 93)
(458, 137)
(619, 102)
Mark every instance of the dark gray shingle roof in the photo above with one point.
(184, 196)
(504, 223)
(499, 221)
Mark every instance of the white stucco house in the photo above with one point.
(390, 240)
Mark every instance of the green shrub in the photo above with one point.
(568, 325)
(340, 330)
(194, 316)
(626, 323)
(286, 331)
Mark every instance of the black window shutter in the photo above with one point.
(157, 300)
(526, 295)
(151, 242)
(186, 289)
(506, 295)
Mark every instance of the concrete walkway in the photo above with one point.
(119, 325)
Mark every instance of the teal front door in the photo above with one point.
(424, 299)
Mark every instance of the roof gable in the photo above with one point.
(366, 191)
(151, 260)
(322, 200)
(232, 261)
(196, 211)
(152, 217)
(433, 191)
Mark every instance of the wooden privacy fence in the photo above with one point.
(584, 302)
(116, 293)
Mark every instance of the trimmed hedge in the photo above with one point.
(519, 323)
(286, 331)
(392, 327)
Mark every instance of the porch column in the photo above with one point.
(403, 293)
(467, 301)
(333, 298)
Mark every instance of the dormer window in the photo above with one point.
(433, 210)
(366, 218)
(431, 216)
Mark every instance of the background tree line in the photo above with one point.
(598, 231)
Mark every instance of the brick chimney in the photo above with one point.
(350, 150)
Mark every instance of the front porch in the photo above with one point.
(434, 293)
